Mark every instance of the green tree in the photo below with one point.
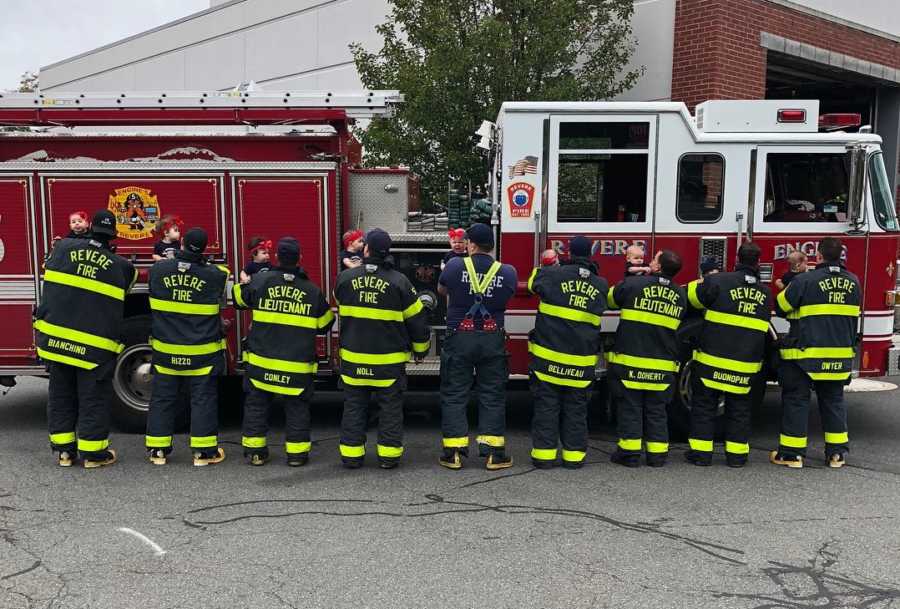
(458, 60)
(28, 82)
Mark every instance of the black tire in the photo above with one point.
(132, 377)
(600, 408)
(679, 408)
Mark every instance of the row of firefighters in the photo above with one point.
(383, 325)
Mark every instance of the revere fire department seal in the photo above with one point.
(521, 197)
(136, 210)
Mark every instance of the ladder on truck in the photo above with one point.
(69, 109)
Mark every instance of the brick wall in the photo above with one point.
(717, 54)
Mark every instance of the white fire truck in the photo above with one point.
(285, 163)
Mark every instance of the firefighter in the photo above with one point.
(729, 358)
(289, 311)
(564, 347)
(645, 358)
(382, 323)
(78, 324)
(478, 288)
(822, 306)
(186, 294)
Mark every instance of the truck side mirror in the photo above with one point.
(856, 201)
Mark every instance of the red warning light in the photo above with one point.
(840, 120)
(792, 116)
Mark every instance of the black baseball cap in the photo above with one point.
(195, 240)
(378, 242)
(104, 223)
(580, 247)
(481, 235)
(288, 251)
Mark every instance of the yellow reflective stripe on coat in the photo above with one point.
(174, 372)
(657, 447)
(279, 389)
(352, 451)
(92, 340)
(493, 441)
(204, 441)
(836, 437)
(92, 446)
(703, 446)
(630, 444)
(792, 441)
(253, 442)
(737, 448)
(378, 359)
(287, 319)
(634, 361)
(461, 442)
(294, 448)
(83, 283)
(414, 309)
(66, 437)
(563, 358)
(782, 301)
(531, 277)
(573, 456)
(654, 319)
(158, 441)
(324, 319)
(421, 347)
(818, 353)
(281, 365)
(727, 388)
(173, 349)
(740, 321)
(692, 295)
(65, 359)
(829, 376)
(389, 452)
(355, 382)
(570, 314)
(236, 294)
(610, 301)
(185, 308)
(478, 287)
(827, 309)
(732, 365)
(369, 313)
(641, 386)
(556, 380)
(543, 454)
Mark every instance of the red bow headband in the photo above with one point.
(352, 235)
(456, 233)
(81, 214)
(171, 221)
(261, 245)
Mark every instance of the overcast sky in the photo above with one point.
(35, 33)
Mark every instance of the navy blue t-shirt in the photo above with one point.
(166, 250)
(459, 292)
(257, 267)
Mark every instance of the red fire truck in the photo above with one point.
(242, 164)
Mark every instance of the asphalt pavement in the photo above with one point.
(229, 536)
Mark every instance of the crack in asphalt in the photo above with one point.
(718, 551)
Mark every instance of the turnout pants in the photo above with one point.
(642, 420)
(795, 393)
(559, 412)
(256, 421)
(482, 354)
(704, 404)
(390, 420)
(204, 404)
(77, 406)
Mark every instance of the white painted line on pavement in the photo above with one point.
(156, 547)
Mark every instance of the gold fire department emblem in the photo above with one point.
(136, 210)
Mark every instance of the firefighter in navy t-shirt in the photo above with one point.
(478, 288)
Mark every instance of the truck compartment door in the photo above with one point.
(18, 286)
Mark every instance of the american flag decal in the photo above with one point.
(525, 166)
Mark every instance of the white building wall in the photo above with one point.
(281, 43)
(653, 25)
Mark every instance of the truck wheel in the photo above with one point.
(600, 408)
(133, 377)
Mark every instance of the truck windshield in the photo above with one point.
(882, 199)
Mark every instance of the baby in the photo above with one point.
(457, 246)
(259, 258)
(171, 238)
(351, 256)
(634, 261)
(549, 258)
(79, 225)
(797, 260)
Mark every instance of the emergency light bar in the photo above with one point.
(839, 120)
